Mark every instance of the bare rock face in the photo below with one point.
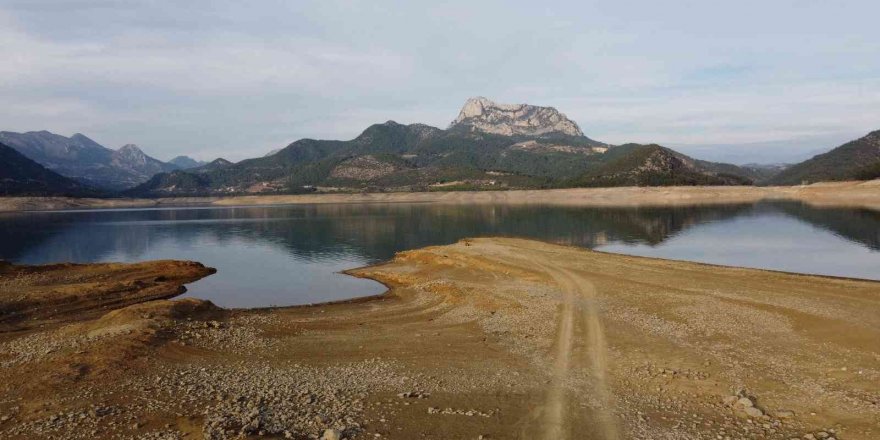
(481, 114)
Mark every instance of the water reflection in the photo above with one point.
(289, 254)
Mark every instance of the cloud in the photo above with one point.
(231, 64)
(239, 79)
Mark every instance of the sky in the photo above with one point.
(744, 81)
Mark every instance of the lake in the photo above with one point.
(290, 255)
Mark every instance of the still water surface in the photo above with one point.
(286, 255)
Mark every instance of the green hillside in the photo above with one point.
(417, 157)
(855, 160)
(653, 165)
(413, 157)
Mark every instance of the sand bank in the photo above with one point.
(834, 194)
(502, 338)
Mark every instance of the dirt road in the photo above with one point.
(578, 309)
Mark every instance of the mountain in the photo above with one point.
(84, 160)
(186, 162)
(653, 165)
(392, 156)
(20, 176)
(132, 159)
(489, 146)
(77, 157)
(214, 165)
(854, 160)
(190, 182)
(481, 114)
(175, 183)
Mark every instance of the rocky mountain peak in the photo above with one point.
(130, 155)
(79, 137)
(132, 158)
(482, 114)
(130, 148)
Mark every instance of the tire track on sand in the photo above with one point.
(578, 304)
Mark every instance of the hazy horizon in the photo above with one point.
(730, 82)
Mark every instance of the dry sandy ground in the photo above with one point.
(833, 194)
(486, 338)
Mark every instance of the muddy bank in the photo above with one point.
(499, 338)
(833, 194)
(38, 295)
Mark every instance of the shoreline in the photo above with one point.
(494, 337)
(831, 194)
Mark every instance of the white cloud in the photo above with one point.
(228, 64)
(242, 78)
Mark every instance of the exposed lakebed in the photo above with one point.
(288, 255)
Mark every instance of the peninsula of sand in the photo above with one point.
(487, 338)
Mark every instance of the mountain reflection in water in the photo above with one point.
(282, 255)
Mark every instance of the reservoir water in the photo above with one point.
(289, 255)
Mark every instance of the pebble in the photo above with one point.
(751, 411)
(784, 414)
(332, 434)
(745, 401)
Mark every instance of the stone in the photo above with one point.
(746, 402)
(332, 434)
(751, 411)
(784, 414)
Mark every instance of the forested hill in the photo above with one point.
(854, 160)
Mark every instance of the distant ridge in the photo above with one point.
(185, 162)
(216, 164)
(20, 176)
(86, 161)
